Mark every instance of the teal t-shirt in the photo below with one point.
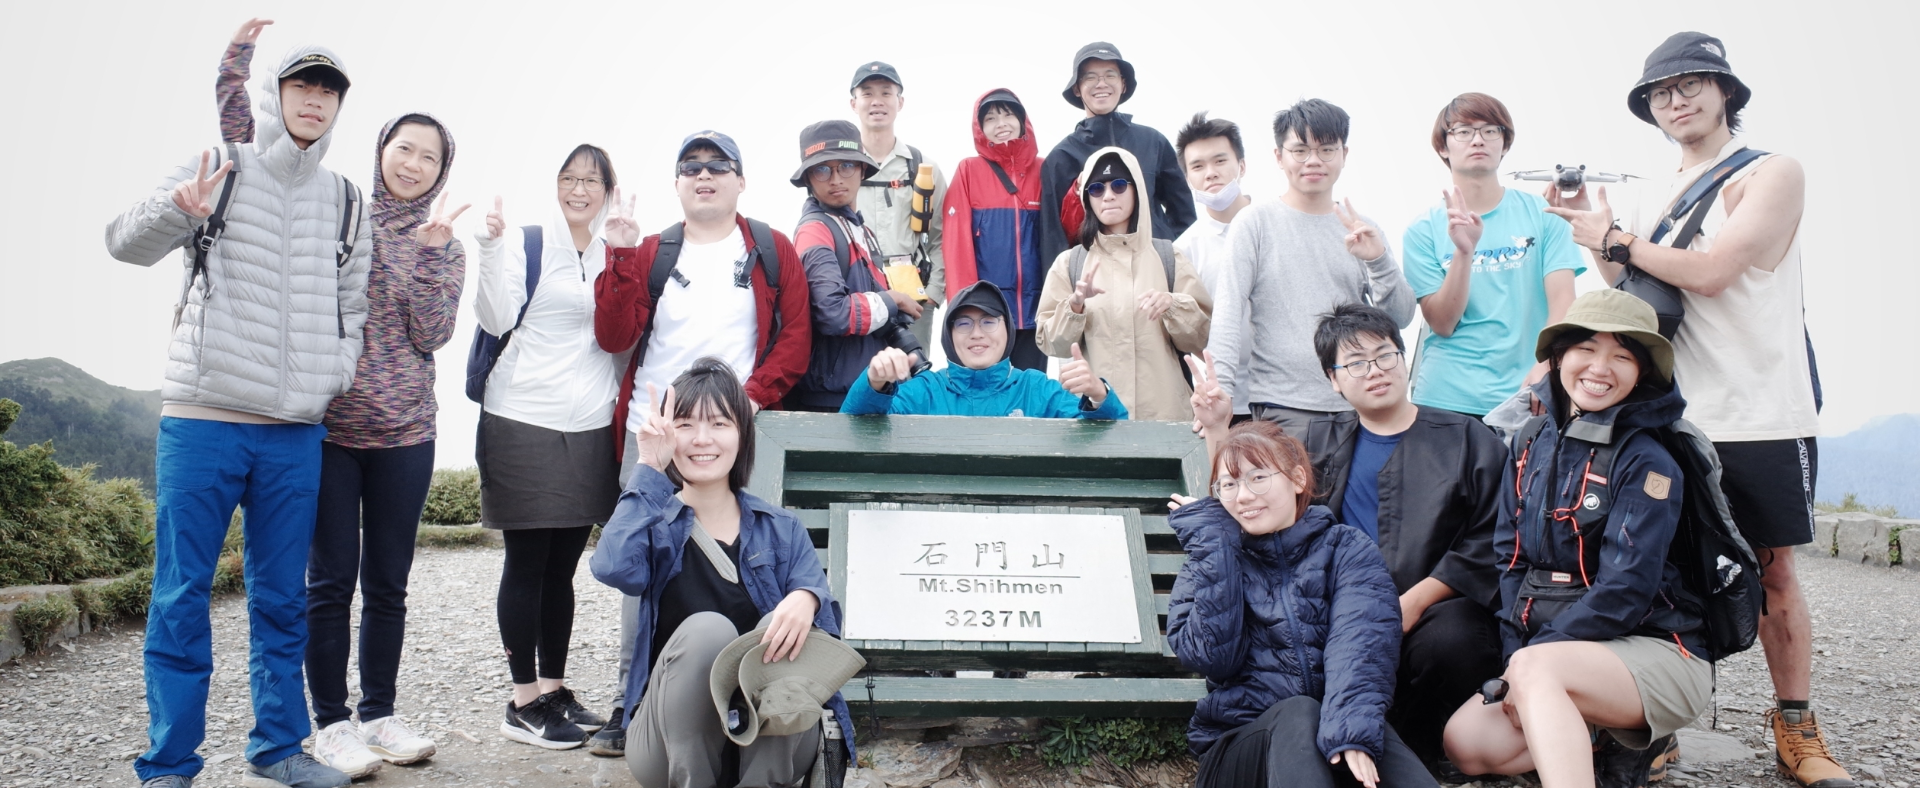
(1491, 349)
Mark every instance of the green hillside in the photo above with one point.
(87, 419)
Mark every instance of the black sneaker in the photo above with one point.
(542, 724)
(1617, 766)
(577, 714)
(611, 741)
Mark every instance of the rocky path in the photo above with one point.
(77, 718)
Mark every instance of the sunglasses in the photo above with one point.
(1098, 189)
(691, 169)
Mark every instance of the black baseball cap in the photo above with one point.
(1686, 53)
(315, 60)
(875, 70)
(984, 296)
(727, 146)
(1099, 50)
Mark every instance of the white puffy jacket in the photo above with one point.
(273, 329)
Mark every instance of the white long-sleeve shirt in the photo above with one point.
(552, 374)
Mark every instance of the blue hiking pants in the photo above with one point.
(203, 470)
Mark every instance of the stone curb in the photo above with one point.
(1864, 538)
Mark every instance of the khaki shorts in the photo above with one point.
(1674, 687)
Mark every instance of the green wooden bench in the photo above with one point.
(823, 466)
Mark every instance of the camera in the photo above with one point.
(898, 336)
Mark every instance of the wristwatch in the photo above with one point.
(1616, 251)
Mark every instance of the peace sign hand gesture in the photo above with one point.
(1463, 225)
(250, 32)
(496, 222)
(621, 229)
(438, 231)
(194, 196)
(1084, 289)
(1211, 406)
(1363, 240)
(656, 433)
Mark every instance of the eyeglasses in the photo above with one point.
(691, 168)
(819, 173)
(965, 325)
(1359, 369)
(1327, 152)
(1258, 481)
(593, 185)
(1096, 77)
(1660, 97)
(1489, 133)
(1098, 189)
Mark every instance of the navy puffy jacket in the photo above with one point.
(1310, 610)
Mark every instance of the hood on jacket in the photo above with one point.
(983, 295)
(559, 221)
(271, 126)
(1142, 207)
(395, 214)
(1016, 155)
(1645, 407)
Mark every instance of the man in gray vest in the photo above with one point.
(886, 197)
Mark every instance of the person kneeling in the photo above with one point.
(1294, 622)
(681, 554)
(979, 379)
(1600, 634)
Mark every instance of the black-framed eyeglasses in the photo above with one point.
(1488, 133)
(592, 185)
(824, 172)
(1258, 481)
(1660, 97)
(1326, 152)
(691, 168)
(1361, 368)
(1098, 189)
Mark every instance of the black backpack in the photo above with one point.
(667, 256)
(486, 348)
(1716, 565)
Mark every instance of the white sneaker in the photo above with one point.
(391, 739)
(339, 745)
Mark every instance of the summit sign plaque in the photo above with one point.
(921, 575)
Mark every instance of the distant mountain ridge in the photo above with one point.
(1879, 462)
(87, 419)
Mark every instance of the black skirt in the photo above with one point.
(534, 477)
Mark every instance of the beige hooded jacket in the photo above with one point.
(1139, 358)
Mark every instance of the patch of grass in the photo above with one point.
(1073, 741)
(453, 536)
(454, 497)
(125, 597)
(1851, 503)
(41, 620)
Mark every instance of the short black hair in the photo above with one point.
(1313, 120)
(711, 383)
(1728, 89)
(328, 78)
(597, 157)
(1200, 128)
(703, 145)
(1343, 328)
(1090, 226)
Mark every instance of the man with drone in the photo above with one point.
(1723, 252)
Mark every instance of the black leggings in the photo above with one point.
(535, 606)
(1279, 748)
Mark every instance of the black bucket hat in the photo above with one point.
(984, 296)
(1686, 53)
(830, 140)
(1099, 50)
(1001, 96)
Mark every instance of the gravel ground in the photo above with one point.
(77, 718)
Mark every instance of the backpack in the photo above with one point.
(914, 160)
(1698, 198)
(486, 348)
(667, 256)
(209, 233)
(841, 249)
(1716, 565)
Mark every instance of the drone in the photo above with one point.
(1570, 179)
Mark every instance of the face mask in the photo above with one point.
(1219, 202)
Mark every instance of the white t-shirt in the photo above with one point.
(707, 310)
(1205, 245)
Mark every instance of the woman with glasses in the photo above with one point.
(548, 471)
(1129, 301)
(980, 379)
(1292, 618)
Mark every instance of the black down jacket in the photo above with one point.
(1309, 610)
(1167, 194)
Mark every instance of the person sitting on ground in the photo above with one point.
(677, 539)
(1625, 664)
(979, 379)
(1292, 619)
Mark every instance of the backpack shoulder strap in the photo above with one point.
(763, 248)
(914, 160)
(666, 257)
(343, 248)
(840, 251)
(1707, 184)
(216, 225)
(1006, 181)
(1164, 248)
(535, 248)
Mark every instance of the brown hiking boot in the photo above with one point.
(1800, 751)
(1671, 753)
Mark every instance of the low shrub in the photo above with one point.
(454, 497)
(41, 620)
(125, 597)
(453, 536)
(1073, 741)
(59, 525)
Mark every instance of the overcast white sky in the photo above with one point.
(103, 98)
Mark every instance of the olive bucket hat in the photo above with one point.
(1609, 311)
(1686, 53)
(757, 698)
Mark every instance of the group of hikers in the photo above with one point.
(1389, 583)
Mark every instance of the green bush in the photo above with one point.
(41, 620)
(454, 498)
(125, 597)
(452, 536)
(59, 525)
(1072, 741)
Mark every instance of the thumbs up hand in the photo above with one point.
(1077, 377)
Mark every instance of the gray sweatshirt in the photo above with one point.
(1289, 269)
